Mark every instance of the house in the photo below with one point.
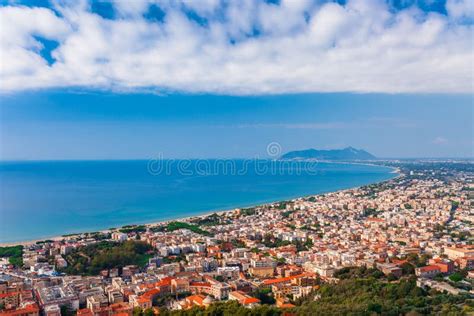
(95, 302)
(10, 300)
(445, 266)
(31, 309)
(389, 268)
(454, 253)
(195, 300)
(286, 280)
(283, 302)
(466, 263)
(119, 236)
(84, 312)
(244, 299)
(52, 310)
(179, 285)
(262, 272)
(220, 290)
(427, 271)
(140, 301)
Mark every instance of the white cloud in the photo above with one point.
(331, 125)
(300, 46)
(370, 122)
(463, 9)
(440, 140)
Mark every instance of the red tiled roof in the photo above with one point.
(281, 280)
(250, 300)
(142, 300)
(398, 262)
(202, 284)
(164, 281)
(3, 295)
(28, 309)
(84, 312)
(196, 299)
(429, 268)
(120, 309)
(375, 219)
(151, 293)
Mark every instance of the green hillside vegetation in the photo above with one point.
(368, 296)
(372, 296)
(211, 220)
(172, 226)
(91, 259)
(132, 229)
(14, 254)
(358, 272)
(226, 308)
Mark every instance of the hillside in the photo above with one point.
(348, 153)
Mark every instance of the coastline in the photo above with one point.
(395, 170)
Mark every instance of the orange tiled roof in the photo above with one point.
(147, 286)
(120, 306)
(202, 284)
(84, 312)
(375, 220)
(164, 281)
(196, 299)
(398, 262)
(429, 268)
(3, 295)
(281, 280)
(28, 309)
(143, 300)
(250, 300)
(127, 292)
(151, 293)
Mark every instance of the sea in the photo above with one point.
(41, 199)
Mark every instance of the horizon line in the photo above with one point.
(234, 158)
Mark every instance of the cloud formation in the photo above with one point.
(330, 125)
(239, 47)
(440, 141)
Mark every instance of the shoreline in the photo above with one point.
(395, 170)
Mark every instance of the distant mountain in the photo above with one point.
(348, 153)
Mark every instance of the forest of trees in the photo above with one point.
(14, 254)
(172, 226)
(231, 308)
(360, 296)
(375, 296)
(91, 259)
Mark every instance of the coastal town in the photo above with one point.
(417, 227)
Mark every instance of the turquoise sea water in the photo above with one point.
(44, 199)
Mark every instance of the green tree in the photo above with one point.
(456, 277)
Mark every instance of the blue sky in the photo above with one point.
(99, 125)
(209, 78)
